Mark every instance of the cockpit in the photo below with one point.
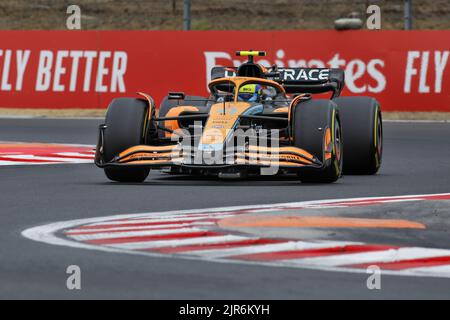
(242, 89)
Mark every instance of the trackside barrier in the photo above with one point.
(405, 71)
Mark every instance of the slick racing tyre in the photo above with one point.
(126, 123)
(312, 119)
(363, 129)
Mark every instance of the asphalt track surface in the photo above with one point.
(415, 162)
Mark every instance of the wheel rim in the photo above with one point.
(338, 142)
(379, 146)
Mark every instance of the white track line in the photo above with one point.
(75, 154)
(153, 220)
(194, 215)
(400, 200)
(156, 227)
(263, 248)
(11, 163)
(137, 233)
(184, 242)
(390, 255)
(433, 269)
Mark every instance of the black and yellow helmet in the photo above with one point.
(250, 93)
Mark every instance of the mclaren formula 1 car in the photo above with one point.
(255, 121)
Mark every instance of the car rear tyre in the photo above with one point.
(363, 128)
(126, 125)
(312, 119)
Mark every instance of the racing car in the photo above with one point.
(255, 121)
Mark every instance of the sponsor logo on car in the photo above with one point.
(305, 74)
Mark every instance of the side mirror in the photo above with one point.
(176, 96)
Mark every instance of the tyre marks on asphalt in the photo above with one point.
(195, 234)
(21, 153)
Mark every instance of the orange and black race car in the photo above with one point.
(255, 121)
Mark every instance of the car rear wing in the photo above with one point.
(310, 80)
(297, 80)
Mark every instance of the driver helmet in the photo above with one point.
(250, 93)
